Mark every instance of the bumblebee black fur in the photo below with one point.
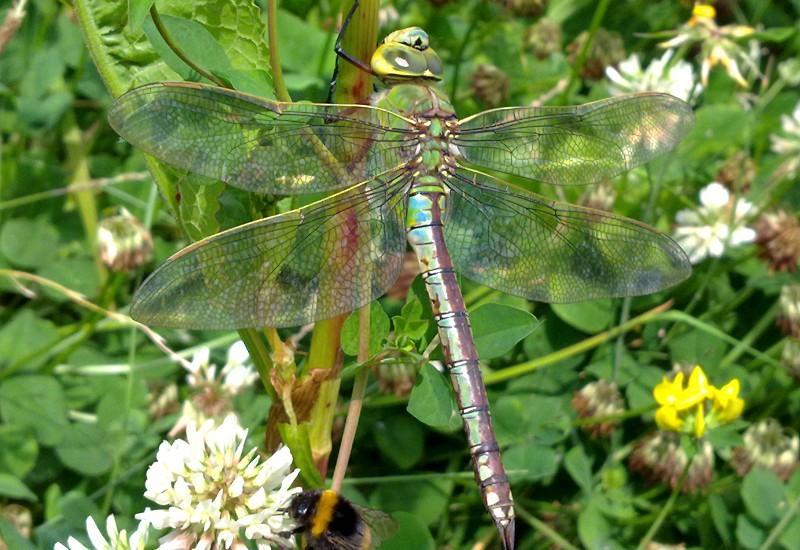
(339, 524)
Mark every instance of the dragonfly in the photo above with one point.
(404, 171)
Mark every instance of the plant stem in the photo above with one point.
(569, 351)
(776, 531)
(162, 30)
(356, 401)
(543, 529)
(281, 92)
(597, 18)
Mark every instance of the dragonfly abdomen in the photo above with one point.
(424, 226)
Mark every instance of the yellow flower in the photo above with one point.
(696, 405)
(718, 44)
(728, 406)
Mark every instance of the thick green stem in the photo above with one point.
(281, 92)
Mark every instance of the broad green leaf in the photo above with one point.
(593, 528)
(763, 496)
(199, 205)
(410, 323)
(530, 461)
(427, 500)
(87, 449)
(497, 328)
(24, 335)
(531, 418)
(35, 402)
(432, 401)
(18, 450)
(721, 516)
(696, 347)
(137, 12)
(12, 538)
(78, 274)
(579, 468)
(12, 487)
(590, 317)
(411, 533)
(748, 533)
(719, 129)
(29, 243)
(401, 439)
(378, 330)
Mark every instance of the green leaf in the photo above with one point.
(87, 449)
(579, 468)
(763, 496)
(35, 402)
(696, 347)
(410, 323)
(29, 243)
(748, 533)
(590, 317)
(530, 461)
(411, 533)
(78, 274)
(401, 439)
(432, 401)
(593, 528)
(12, 538)
(137, 12)
(199, 204)
(13, 487)
(497, 328)
(721, 516)
(18, 450)
(297, 439)
(23, 336)
(378, 330)
(426, 500)
(774, 34)
(531, 417)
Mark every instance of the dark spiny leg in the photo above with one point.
(340, 52)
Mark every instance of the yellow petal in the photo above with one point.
(732, 411)
(667, 419)
(699, 422)
(726, 393)
(668, 391)
(698, 382)
(704, 11)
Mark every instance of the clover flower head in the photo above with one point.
(768, 445)
(212, 390)
(211, 490)
(660, 457)
(693, 406)
(598, 399)
(719, 45)
(660, 75)
(787, 142)
(117, 539)
(718, 223)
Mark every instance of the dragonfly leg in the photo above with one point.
(340, 52)
(425, 234)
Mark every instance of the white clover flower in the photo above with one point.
(211, 391)
(677, 79)
(211, 491)
(117, 540)
(714, 226)
(788, 144)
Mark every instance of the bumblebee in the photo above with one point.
(329, 521)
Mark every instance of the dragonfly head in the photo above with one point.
(404, 55)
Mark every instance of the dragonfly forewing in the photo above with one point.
(261, 145)
(578, 144)
(518, 242)
(313, 263)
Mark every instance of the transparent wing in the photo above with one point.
(381, 525)
(313, 263)
(574, 145)
(523, 244)
(261, 145)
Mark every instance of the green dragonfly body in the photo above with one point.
(405, 170)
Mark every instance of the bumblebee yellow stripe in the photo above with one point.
(324, 512)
